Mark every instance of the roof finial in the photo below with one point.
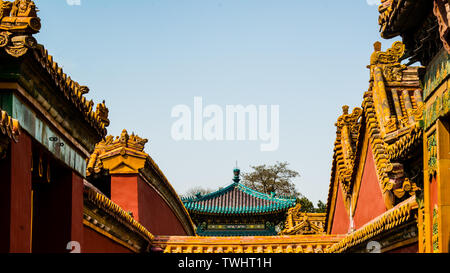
(237, 174)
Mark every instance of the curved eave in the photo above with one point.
(240, 212)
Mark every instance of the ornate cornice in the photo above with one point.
(122, 155)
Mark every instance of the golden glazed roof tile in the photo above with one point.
(299, 223)
(391, 116)
(253, 244)
(74, 92)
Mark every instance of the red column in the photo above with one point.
(16, 202)
(77, 210)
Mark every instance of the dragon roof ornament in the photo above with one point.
(18, 22)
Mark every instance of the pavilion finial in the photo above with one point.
(237, 174)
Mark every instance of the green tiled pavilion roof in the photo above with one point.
(238, 199)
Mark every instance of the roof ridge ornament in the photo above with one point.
(391, 56)
(237, 175)
(18, 22)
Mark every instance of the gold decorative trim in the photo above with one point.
(253, 244)
(302, 223)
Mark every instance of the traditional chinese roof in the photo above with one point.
(395, 217)
(74, 92)
(391, 116)
(257, 244)
(237, 199)
(302, 223)
(18, 23)
(125, 155)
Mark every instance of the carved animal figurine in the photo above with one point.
(23, 8)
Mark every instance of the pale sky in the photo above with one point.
(144, 57)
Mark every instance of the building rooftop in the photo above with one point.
(238, 199)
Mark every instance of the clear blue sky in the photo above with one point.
(145, 57)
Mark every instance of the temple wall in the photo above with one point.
(134, 194)
(370, 200)
(155, 213)
(95, 242)
(341, 221)
(124, 192)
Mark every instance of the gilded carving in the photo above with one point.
(18, 21)
(102, 113)
(348, 126)
(407, 187)
(124, 154)
(300, 223)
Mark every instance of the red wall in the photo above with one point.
(156, 214)
(124, 192)
(95, 242)
(370, 200)
(132, 193)
(341, 220)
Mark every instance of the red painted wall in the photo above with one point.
(132, 193)
(370, 202)
(95, 242)
(155, 213)
(341, 220)
(15, 195)
(124, 192)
